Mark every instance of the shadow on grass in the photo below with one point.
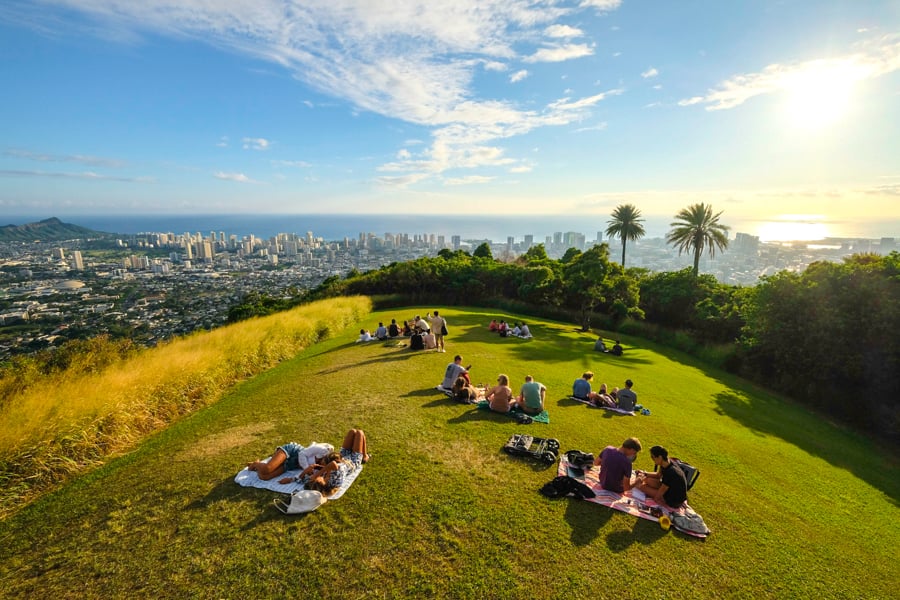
(431, 391)
(586, 520)
(796, 425)
(230, 491)
(643, 532)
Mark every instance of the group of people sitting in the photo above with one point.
(423, 334)
(666, 485)
(503, 328)
(624, 398)
(500, 397)
(600, 346)
(323, 469)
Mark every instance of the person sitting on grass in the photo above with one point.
(531, 396)
(604, 398)
(625, 397)
(503, 329)
(454, 370)
(364, 336)
(581, 388)
(616, 349)
(516, 330)
(615, 465)
(463, 391)
(407, 329)
(599, 346)
(500, 397)
(668, 485)
(381, 332)
(329, 476)
(524, 332)
(393, 329)
(493, 326)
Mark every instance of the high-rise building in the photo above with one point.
(77, 261)
(529, 241)
(454, 241)
(599, 237)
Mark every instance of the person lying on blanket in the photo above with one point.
(668, 485)
(500, 396)
(329, 476)
(287, 458)
(615, 465)
(464, 391)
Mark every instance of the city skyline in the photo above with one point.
(528, 108)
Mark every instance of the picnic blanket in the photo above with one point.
(543, 417)
(633, 502)
(248, 478)
(610, 409)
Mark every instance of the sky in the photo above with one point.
(781, 113)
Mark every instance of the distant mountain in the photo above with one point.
(48, 230)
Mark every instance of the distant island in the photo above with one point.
(48, 230)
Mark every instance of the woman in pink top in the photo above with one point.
(501, 395)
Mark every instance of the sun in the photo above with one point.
(820, 94)
(793, 228)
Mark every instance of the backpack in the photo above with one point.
(562, 486)
(416, 343)
(580, 459)
(691, 522)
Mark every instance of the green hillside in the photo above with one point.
(48, 230)
(798, 507)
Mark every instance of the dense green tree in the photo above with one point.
(586, 281)
(483, 251)
(535, 253)
(625, 225)
(696, 229)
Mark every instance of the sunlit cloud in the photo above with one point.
(871, 59)
(92, 161)
(518, 76)
(401, 180)
(236, 177)
(602, 5)
(255, 143)
(223, 142)
(563, 31)
(493, 65)
(597, 127)
(520, 169)
(651, 72)
(468, 180)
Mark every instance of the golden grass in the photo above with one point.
(66, 422)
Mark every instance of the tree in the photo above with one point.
(626, 225)
(483, 251)
(696, 228)
(585, 281)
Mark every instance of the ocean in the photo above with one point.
(496, 228)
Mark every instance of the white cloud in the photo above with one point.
(401, 180)
(89, 175)
(255, 143)
(236, 177)
(559, 53)
(597, 127)
(413, 142)
(520, 169)
(657, 87)
(92, 161)
(468, 179)
(404, 154)
(300, 164)
(415, 61)
(651, 72)
(563, 31)
(223, 142)
(871, 59)
(518, 76)
(602, 5)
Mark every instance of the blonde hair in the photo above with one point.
(502, 379)
(588, 375)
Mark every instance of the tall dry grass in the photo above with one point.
(69, 421)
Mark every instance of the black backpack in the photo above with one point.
(562, 486)
(580, 459)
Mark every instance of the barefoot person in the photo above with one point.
(500, 396)
(285, 458)
(329, 476)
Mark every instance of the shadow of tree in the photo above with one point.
(643, 532)
(816, 436)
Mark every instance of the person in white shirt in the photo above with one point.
(364, 336)
(437, 326)
(381, 333)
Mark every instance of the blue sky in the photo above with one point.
(776, 111)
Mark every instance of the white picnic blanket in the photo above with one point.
(609, 408)
(248, 478)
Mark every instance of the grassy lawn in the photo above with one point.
(798, 507)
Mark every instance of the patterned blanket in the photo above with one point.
(633, 502)
(590, 404)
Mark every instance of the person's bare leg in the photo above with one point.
(358, 443)
(271, 469)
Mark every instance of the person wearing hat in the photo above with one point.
(668, 484)
(626, 397)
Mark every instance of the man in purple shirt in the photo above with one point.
(615, 465)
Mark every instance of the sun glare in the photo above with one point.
(793, 228)
(820, 95)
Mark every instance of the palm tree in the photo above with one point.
(696, 228)
(625, 224)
